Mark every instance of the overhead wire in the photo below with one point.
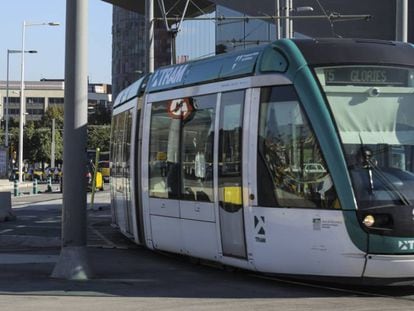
(331, 23)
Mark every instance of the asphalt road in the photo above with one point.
(127, 277)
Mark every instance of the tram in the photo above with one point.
(294, 158)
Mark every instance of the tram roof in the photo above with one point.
(130, 92)
(216, 68)
(355, 51)
(272, 58)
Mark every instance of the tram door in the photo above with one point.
(230, 179)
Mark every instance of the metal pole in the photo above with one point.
(247, 18)
(398, 21)
(52, 151)
(173, 46)
(73, 261)
(6, 139)
(401, 29)
(286, 30)
(277, 21)
(22, 107)
(291, 11)
(6, 142)
(150, 33)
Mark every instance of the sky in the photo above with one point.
(49, 41)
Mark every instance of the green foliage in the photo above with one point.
(102, 116)
(38, 141)
(37, 138)
(54, 112)
(99, 136)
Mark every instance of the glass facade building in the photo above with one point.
(128, 47)
(239, 34)
(203, 38)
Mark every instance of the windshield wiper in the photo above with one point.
(370, 166)
(388, 183)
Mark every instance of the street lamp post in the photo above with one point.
(22, 99)
(6, 140)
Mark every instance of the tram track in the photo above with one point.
(369, 292)
(405, 293)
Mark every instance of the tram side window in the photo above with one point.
(291, 171)
(113, 144)
(181, 149)
(197, 139)
(120, 151)
(127, 149)
(113, 154)
(230, 151)
(164, 153)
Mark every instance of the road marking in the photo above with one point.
(108, 242)
(6, 230)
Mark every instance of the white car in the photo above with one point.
(314, 168)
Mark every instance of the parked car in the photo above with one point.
(314, 168)
(103, 167)
(99, 184)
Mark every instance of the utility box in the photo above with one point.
(6, 213)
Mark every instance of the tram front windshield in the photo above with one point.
(373, 108)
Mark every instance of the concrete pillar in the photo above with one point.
(73, 261)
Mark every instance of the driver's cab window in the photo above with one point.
(291, 171)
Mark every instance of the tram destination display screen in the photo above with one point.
(366, 76)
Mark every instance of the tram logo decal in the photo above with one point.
(259, 228)
(406, 245)
(168, 76)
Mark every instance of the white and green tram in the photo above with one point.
(294, 158)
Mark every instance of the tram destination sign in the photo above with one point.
(366, 76)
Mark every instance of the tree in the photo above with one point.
(99, 137)
(102, 116)
(37, 143)
(37, 138)
(54, 112)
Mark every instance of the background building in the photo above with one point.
(128, 47)
(40, 95)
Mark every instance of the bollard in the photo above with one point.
(49, 184)
(16, 188)
(34, 186)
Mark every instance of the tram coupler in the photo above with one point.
(16, 188)
(49, 184)
(34, 186)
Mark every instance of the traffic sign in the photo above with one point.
(180, 108)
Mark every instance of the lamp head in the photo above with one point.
(302, 9)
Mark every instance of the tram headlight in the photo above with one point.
(369, 220)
